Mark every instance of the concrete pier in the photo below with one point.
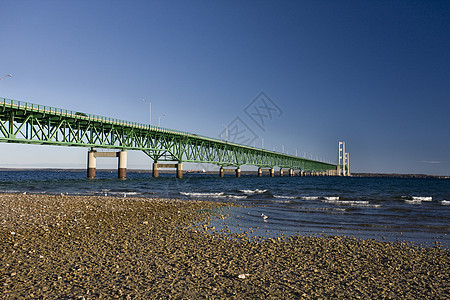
(221, 172)
(272, 172)
(260, 172)
(281, 172)
(179, 170)
(178, 167)
(291, 172)
(155, 170)
(238, 172)
(122, 174)
(92, 164)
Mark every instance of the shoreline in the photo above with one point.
(231, 224)
(247, 173)
(106, 247)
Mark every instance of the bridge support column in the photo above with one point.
(272, 172)
(92, 164)
(155, 170)
(238, 172)
(179, 170)
(281, 172)
(259, 172)
(122, 174)
(291, 172)
(221, 172)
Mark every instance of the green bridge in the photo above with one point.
(27, 123)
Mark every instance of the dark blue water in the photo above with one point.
(393, 209)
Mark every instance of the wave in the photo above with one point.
(418, 198)
(285, 197)
(309, 198)
(283, 201)
(125, 193)
(346, 202)
(235, 196)
(357, 203)
(445, 202)
(333, 209)
(413, 201)
(213, 195)
(11, 192)
(202, 194)
(423, 198)
(257, 191)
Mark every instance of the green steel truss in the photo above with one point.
(22, 122)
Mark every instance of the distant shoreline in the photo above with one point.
(378, 175)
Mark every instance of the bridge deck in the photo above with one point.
(23, 122)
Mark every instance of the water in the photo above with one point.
(392, 209)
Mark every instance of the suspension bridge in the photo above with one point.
(28, 123)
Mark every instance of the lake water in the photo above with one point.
(392, 209)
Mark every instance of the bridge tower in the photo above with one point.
(343, 163)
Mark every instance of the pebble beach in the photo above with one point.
(90, 247)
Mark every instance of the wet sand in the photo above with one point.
(65, 247)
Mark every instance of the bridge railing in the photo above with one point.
(89, 117)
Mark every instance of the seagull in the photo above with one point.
(264, 216)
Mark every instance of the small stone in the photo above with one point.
(242, 276)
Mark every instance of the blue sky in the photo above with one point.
(375, 74)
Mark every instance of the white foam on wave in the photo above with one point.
(418, 198)
(234, 196)
(333, 209)
(331, 198)
(132, 193)
(309, 198)
(212, 195)
(415, 202)
(346, 202)
(422, 198)
(367, 205)
(445, 202)
(257, 191)
(202, 194)
(284, 197)
(357, 203)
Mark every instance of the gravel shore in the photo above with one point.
(66, 247)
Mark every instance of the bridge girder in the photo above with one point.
(22, 122)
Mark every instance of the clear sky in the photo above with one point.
(375, 74)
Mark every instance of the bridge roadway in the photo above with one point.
(27, 123)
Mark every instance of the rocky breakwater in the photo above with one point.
(64, 247)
